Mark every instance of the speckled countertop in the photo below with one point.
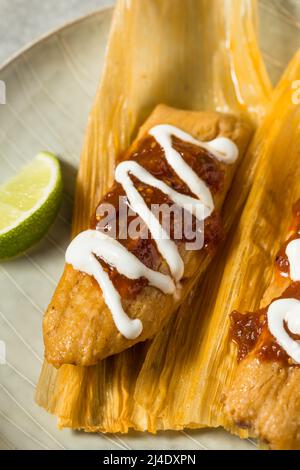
(24, 21)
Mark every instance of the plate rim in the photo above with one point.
(52, 32)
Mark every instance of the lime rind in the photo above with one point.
(33, 224)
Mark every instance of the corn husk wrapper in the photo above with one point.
(191, 54)
(236, 281)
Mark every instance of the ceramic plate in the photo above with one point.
(49, 91)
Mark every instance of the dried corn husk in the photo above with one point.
(193, 54)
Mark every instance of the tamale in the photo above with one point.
(78, 325)
(264, 395)
(204, 56)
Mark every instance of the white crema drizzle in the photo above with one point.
(82, 250)
(287, 310)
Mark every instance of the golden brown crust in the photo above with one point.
(265, 398)
(78, 327)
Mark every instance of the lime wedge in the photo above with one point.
(29, 203)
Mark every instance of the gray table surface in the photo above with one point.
(23, 21)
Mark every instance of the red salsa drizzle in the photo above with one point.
(249, 331)
(245, 330)
(151, 156)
